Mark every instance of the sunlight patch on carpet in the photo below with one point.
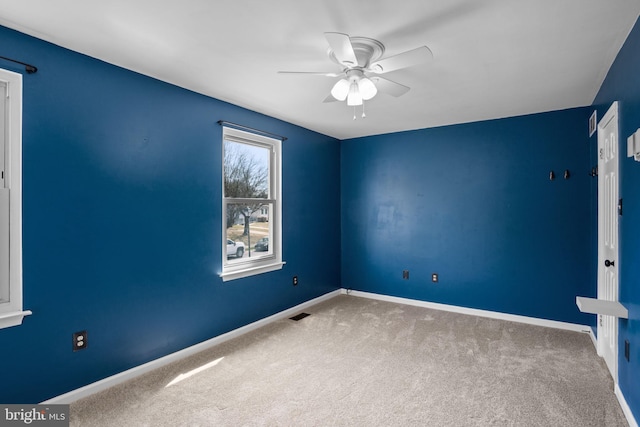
(192, 372)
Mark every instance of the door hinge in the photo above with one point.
(620, 207)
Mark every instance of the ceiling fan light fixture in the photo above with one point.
(367, 88)
(340, 90)
(354, 97)
(361, 59)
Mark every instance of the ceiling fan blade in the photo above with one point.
(341, 45)
(389, 87)
(402, 60)
(330, 98)
(311, 73)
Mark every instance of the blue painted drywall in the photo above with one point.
(622, 85)
(122, 218)
(122, 222)
(473, 203)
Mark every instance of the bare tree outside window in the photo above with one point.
(246, 176)
(246, 179)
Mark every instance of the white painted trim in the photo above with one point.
(502, 316)
(474, 312)
(13, 319)
(116, 379)
(251, 271)
(249, 267)
(600, 306)
(13, 182)
(594, 339)
(625, 407)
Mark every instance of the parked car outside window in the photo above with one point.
(235, 249)
(262, 245)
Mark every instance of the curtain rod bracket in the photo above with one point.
(30, 69)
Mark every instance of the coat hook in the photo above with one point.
(552, 176)
(567, 175)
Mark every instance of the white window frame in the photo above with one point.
(11, 310)
(250, 267)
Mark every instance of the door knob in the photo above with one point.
(608, 263)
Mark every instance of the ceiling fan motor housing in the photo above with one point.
(367, 51)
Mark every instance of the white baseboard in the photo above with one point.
(113, 380)
(594, 339)
(625, 407)
(473, 311)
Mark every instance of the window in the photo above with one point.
(11, 313)
(251, 204)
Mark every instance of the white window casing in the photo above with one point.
(268, 216)
(11, 309)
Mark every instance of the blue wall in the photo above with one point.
(122, 222)
(622, 84)
(122, 218)
(473, 203)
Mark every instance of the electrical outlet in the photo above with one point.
(626, 349)
(434, 277)
(405, 274)
(79, 340)
(295, 280)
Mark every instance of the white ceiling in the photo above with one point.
(492, 58)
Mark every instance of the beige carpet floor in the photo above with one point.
(361, 362)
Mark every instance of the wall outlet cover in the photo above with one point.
(79, 341)
(626, 349)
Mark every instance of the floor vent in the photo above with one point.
(299, 316)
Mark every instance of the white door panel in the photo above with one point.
(608, 235)
(4, 245)
(4, 201)
(3, 133)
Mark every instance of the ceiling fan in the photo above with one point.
(361, 64)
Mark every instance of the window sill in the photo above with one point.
(251, 271)
(13, 319)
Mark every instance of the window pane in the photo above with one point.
(246, 171)
(249, 231)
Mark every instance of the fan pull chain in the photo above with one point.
(354, 112)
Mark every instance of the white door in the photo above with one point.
(4, 201)
(608, 264)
